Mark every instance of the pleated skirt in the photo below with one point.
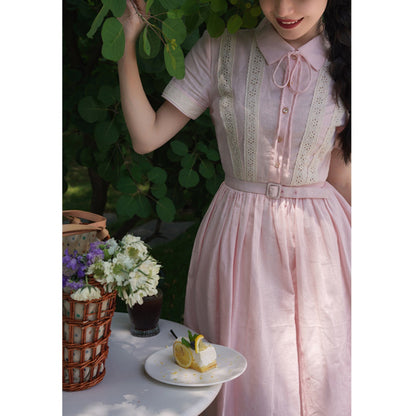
(270, 278)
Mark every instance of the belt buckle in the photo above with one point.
(273, 190)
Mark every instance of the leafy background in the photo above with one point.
(102, 172)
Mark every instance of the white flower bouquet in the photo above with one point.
(126, 267)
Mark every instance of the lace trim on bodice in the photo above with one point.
(226, 100)
(310, 154)
(301, 174)
(254, 78)
(327, 144)
(248, 170)
(251, 128)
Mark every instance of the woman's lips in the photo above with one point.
(288, 23)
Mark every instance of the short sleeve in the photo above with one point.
(191, 94)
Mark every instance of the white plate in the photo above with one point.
(162, 367)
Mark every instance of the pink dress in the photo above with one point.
(270, 269)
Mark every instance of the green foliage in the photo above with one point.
(112, 35)
(175, 257)
(172, 21)
(182, 174)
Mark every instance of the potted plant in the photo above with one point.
(130, 270)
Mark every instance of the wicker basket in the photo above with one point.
(86, 330)
(84, 228)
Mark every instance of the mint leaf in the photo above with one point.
(186, 343)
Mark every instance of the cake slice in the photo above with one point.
(193, 352)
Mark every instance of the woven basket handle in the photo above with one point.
(98, 223)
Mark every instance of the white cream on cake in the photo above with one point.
(205, 357)
(194, 353)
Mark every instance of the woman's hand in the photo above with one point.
(132, 23)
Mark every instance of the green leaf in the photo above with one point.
(172, 156)
(188, 161)
(174, 29)
(136, 173)
(157, 175)
(158, 9)
(175, 14)
(112, 34)
(178, 147)
(213, 155)
(255, 11)
(190, 40)
(234, 23)
(90, 110)
(249, 21)
(165, 209)
(153, 41)
(126, 206)
(185, 342)
(190, 7)
(171, 4)
(204, 13)
(126, 185)
(188, 178)
(142, 162)
(193, 22)
(146, 44)
(149, 4)
(215, 25)
(202, 147)
(174, 61)
(144, 208)
(106, 133)
(107, 95)
(116, 6)
(159, 190)
(206, 169)
(97, 22)
(106, 171)
(219, 6)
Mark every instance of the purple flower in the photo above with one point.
(70, 260)
(94, 254)
(75, 265)
(75, 285)
(81, 272)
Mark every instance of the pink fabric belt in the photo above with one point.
(275, 190)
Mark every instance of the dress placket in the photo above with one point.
(281, 139)
(291, 87)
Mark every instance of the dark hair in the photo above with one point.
(337, 22)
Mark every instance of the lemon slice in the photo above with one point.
(182, 355)
(199, 346)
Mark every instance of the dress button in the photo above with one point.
(285, 110)
(279, 139)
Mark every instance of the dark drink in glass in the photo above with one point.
(144, 319)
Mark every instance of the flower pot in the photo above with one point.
(144, 319)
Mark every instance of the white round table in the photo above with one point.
(127, 390)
